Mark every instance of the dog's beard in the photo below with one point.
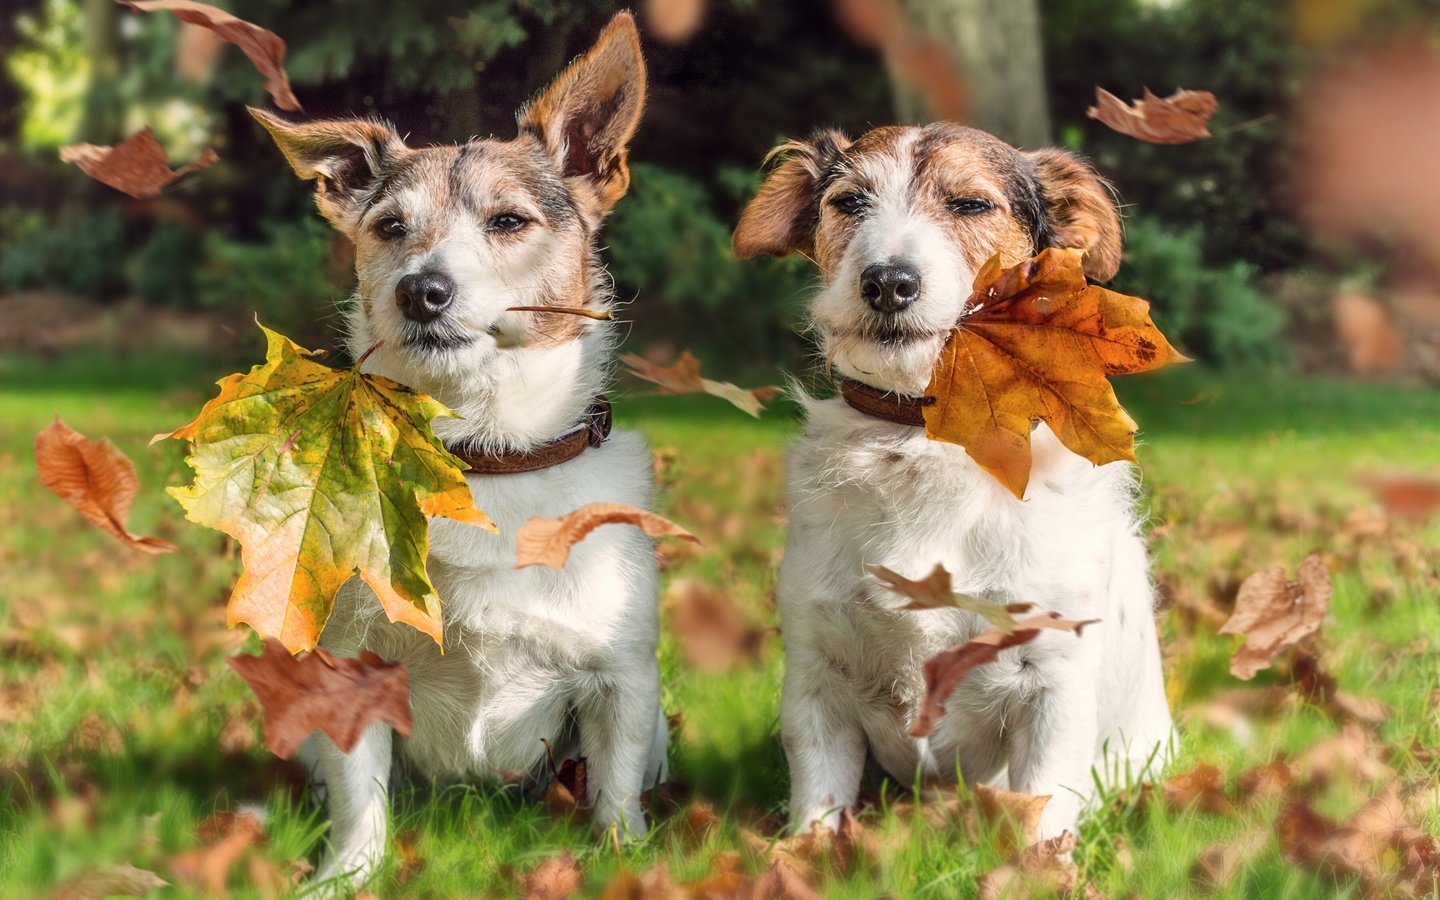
(435, 339)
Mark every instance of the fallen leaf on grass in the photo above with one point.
(1376, 845)
(1018, 814)
(568, 787)
(407, 851)
(804, 854)
(935, 591)
(1037, 344)
(779, 882)
(1268, 781)
(320, 692)
(1321, 689)
(556, 878)
(1042, 869)
(1202, 788)
(96, 479)
(1405, 496)
(264, 48)
(1219, 864)
(1177, 119)
(227, 836)
(547, 542)
(1274, 614)
(136, 166)
(322, 473)
(712, 631)
(683, 377)
(1350, 754)
(945, 670)
(112, 881)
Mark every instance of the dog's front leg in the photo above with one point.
(824, 741)
(617, 734)
(358, 785)
(1053, 745)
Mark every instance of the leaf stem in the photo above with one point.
(366, 355)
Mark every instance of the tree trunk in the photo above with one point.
(995, 51)
(103, 120)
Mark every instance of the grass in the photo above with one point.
(123, 729)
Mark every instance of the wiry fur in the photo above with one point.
(865, 491)
(531, 655)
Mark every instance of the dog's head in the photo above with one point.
(448, 237)
(901, 220)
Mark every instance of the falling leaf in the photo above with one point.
(264, 48)
(95, 478)
(935, 591)
(945, 670)
(1405, 496)
(319, 692)
(683, 377)
(1019, 814)
(674, 21)
(547, 542)
(136, 166)
(1364, 327)
(712, 631)
(112, 881)
(1038, 344)
(321, 473)
(556, 878)
(1274, 614)
(1177, 119)
(1202, 788)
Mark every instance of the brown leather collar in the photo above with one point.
(592, 431)
(872, 401)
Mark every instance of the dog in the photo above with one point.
(899, 222)
(447, 238)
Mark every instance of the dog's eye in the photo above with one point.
(508, 223)
(850, 204)
(389, 227)
(969, 206)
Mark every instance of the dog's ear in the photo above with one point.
(783, 216)
(346, 157)
(588, 114)
(1080, 211)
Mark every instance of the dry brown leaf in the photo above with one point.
(1268, 781)
(112, 881)
(1018, 814)
(945, 670)
(320, 692)
(1350, 754)
(935, 591)
(1219, 864)
(136, 166)
(568, 786)
(780, 882)
(264, 48)
(547, 542)
(227, 836)
(1362, 847)
(1177, 119)
(1202, 788)
(683, 377)
(1038, 343)
(712, 631)
(1274, 614)
(1412, 497)
(1042, 869)
(1321, 688)
(1364, 327)
(556, 878)
(95, 478)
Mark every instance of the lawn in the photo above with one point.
(122, 730)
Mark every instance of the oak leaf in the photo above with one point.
(264, 48)
(95, 478)
(1177, 119)
(322, 473)
(945, 670)
(935, 591)
(547, 542)
(1036, 345)
(683, 377)
(320, 692)
(136, 166)
(1274, 614)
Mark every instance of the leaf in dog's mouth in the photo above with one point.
(603, 315)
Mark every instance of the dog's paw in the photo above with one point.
(626, 822)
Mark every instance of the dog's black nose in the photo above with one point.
(424, 295)
(890, 287)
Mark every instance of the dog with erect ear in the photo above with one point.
(448, 239)
(899, 223)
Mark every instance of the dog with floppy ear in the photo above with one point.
(899, 222)
(447, 239)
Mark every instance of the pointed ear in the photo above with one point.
(588, 114)
(1080, 210)
(783, 216)
(346, 157)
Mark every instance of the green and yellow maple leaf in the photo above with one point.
(321, 474)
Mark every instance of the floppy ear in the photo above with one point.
(346, 157)
(588, 114)
(782, 217)
(1080, 210)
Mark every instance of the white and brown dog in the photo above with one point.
(899, 222)
(447, 238)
